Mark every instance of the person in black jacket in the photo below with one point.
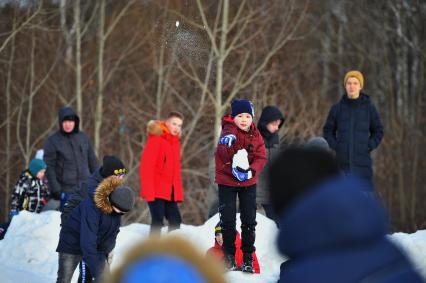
(92, 228)
(353, 128)
(69, 156)
(111, 166)
(270, 122)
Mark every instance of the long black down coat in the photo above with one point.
(353, 129)
(69, 157)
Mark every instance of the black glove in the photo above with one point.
(55, 195)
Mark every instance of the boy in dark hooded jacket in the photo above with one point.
(92, 228)
(69, 156)
(240, 157)
(270, 122)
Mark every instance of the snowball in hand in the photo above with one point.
(240, 159)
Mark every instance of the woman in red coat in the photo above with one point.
(160, 172)
(217, 252)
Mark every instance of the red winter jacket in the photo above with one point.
(217, 252)
(252, 141)
(160, 172)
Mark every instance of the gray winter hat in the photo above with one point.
(318, 142)
(123, 198)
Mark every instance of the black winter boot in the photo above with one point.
(230, 264)
(247, 263)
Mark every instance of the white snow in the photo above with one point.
(27, 253)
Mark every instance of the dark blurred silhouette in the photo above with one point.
(333, 229)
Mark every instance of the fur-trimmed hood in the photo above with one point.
(156, 127)
(103, 191)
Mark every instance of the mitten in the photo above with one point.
(241, 174)
(228, 140)
(240, 166)
(55, 195)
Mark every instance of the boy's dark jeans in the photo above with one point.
(228, 211)
(161, 209)
(66, 267)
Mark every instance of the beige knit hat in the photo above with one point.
(354, 74)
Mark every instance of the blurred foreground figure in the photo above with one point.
(166, 260)
(333, 229)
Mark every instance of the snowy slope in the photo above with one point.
(27, 254)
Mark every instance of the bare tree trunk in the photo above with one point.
(219, 71)
(30, 102)
(99, 101)
(66, 32)
(8, 119)
(78, 92)
(326, 50)
(159, 93)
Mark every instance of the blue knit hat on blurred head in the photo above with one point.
(162, 269)
(239, 106)
(36, 165)
(169, 259)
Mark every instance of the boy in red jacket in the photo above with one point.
(217, 252)
(160, 172)
(240, 156)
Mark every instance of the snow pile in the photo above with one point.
(27, 253)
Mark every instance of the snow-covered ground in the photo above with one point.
(27, 253)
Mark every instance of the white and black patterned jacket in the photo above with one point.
(30, 193)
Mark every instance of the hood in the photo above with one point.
(68, 111)
(362, 99)
(156, 128)
(102, 192)
(269, 114)
(340, 214)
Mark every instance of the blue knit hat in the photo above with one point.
(239, 106)
(162, 269)
(35, 166)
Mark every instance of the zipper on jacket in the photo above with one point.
(351, 134)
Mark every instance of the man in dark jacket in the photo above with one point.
(270, 121)
(353, 128)
(334, 231)
(92, 228)
(69, 156)
(111, 166)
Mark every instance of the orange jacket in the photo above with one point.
(160, 171)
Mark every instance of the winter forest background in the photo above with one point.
(122, 63)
